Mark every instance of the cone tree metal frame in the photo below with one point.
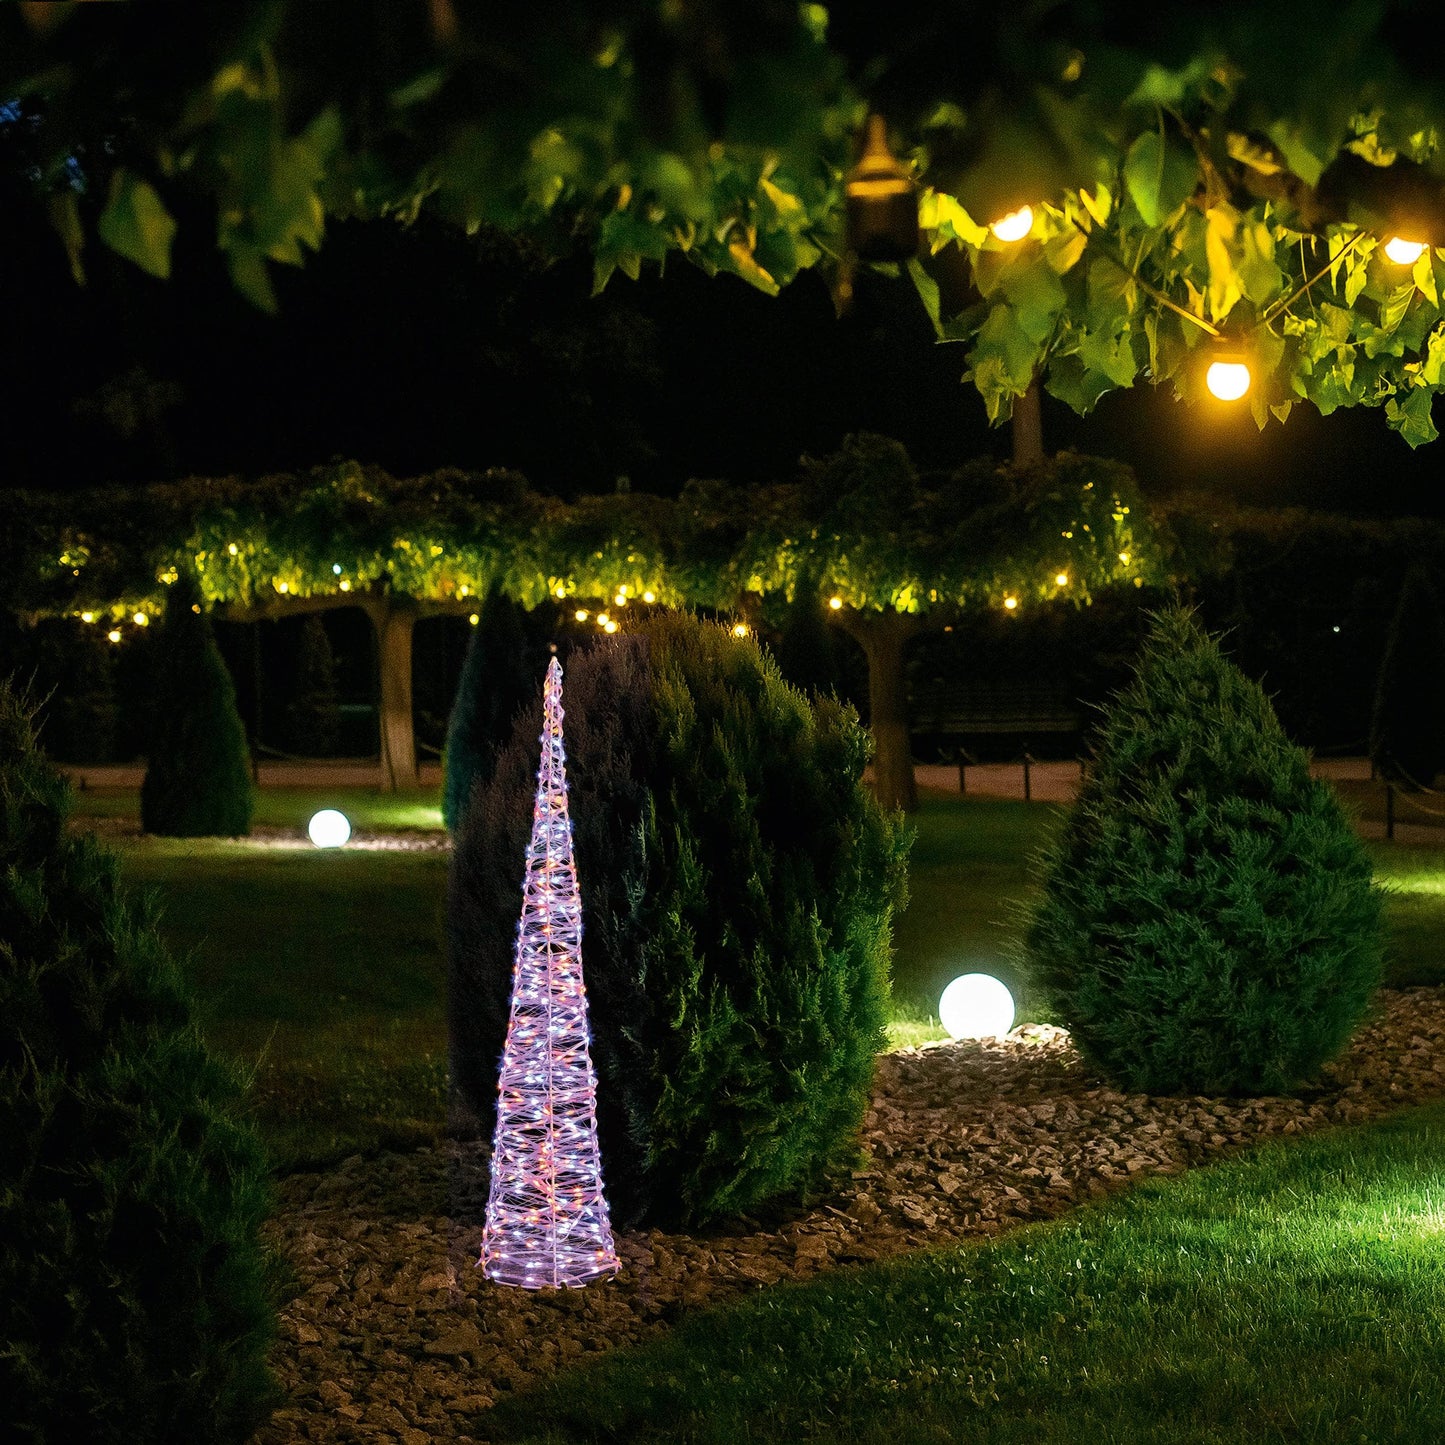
(547, 1223)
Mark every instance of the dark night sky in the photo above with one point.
(418, 349)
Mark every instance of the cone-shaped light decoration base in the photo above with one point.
(547, 1223)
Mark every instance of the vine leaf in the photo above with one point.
(136, 224)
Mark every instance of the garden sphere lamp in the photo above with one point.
(329, 828)
(976, 1006)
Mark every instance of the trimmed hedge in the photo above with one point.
(738, 886)
(134, 1293)
(1208, 922)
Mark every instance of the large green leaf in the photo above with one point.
(135, 223)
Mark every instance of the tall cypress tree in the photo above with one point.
(1407, 728)
(134, 1292)
(805, 648)
(1207, 922)
(313, 717)
(499, 674)
(198, 773)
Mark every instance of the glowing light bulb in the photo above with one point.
(336, 569)
(329, 828)
(649, 596)
(976, 1006)
(283, 586)
(345, 585)
(1010, 603)
(836, 603)
(740, 629)
(87, 617)
(475, 618)
(1124, 557)
(619, 601)
(114, 634)
(581, 614)
(1403, 252)
(233, 549)
(603, 619)
(141, 620)
(609, 626)
(1014, 226)
(1227, 380)
(1061, 579)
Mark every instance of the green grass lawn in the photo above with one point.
(367, 808)
(1295, 1294)
(322, 971)
(325, 970)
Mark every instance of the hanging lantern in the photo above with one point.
(1227, 375)
(882, 200)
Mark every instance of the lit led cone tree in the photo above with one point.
(547, 1222)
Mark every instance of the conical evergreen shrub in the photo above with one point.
(499, 675)
(1208, 922)
(738, 885)
(1407, 728)
(198, 769)
(313, 716)
(134, 1293)
(806, 647)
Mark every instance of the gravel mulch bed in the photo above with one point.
(396, 1337)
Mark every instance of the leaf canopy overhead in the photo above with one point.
(1229, 169)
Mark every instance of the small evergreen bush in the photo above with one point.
(738, 885)
(806, 647)
(198, 773)
(313, 716)
(134, 1293)
(1208, 922)
(1407, 729)
(499, 675)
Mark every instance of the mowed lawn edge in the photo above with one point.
(1295, 1293)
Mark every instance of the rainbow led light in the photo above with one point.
(547, 1223)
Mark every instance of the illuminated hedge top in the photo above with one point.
(1232, 167)
(861, 525)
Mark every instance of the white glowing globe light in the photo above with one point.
(329, 829)
(1404, 252)
(976, 1006)
(1228, 380)
(1014, 226)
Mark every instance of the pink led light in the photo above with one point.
(547, 1223)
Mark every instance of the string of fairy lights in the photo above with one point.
(547, 1223)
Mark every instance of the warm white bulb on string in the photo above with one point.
(1014, 226)
(1228, 378)
(1404, 252)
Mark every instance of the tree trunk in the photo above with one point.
(1028, 426)
(392, 619)
(883, 637)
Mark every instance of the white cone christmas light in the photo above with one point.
(547, 1223)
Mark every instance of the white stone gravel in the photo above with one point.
(394, 1335)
